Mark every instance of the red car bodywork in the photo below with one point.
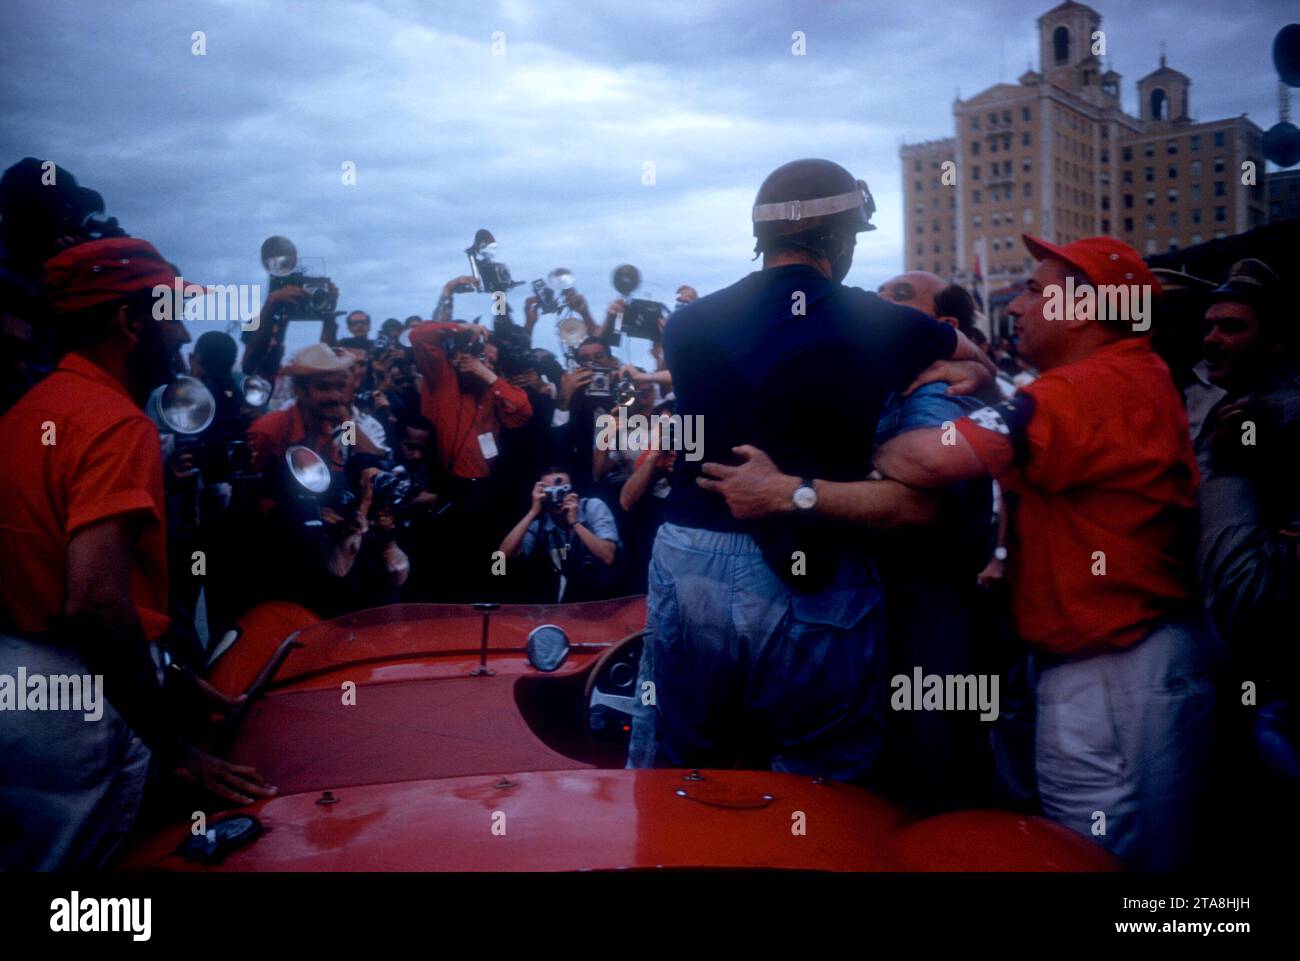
(389, 753)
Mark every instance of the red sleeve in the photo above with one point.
(512, 404)
(119, 473)
(994, 449)
(440, 393)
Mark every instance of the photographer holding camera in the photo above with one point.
(468, 404)
(570, 543)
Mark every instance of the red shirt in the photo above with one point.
(105, 461)
(459, 417)
(274, 433)
(1109, 468)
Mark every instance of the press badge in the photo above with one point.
(488, 445)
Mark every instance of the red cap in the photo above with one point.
(1107, 262)
(101, 271)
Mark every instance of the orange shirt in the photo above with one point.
(1108, 479)
(105, 461)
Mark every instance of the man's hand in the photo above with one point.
(528, 380)
(237, 783)
(961, 376)
(469, 364)
(570, 509)
(995, 571)
(291, 294)
(463, 281)
(539, 499)
(756, 488)
(572, 382)
(576, 301)
(615, 308)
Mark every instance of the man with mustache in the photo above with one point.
(321, 384)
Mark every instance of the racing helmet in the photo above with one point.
(809, 199)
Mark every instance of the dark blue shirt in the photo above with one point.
(806, 389)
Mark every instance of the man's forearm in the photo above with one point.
(512, 546)
(114, 646)
(598, 546)
(929, 457)
(885, 504)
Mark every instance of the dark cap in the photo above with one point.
(1250, 282)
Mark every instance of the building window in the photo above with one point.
(1127, 155)
(1173, 220)
(1218, 165)
(920, 228)
(1105, 156)
(1218, 138)
(976, 221)
(1220, 215)
(1196, 216)
(1105, 226)
(974, 123)
(1105, 201)
(920, 187)
(1171, 147)
(1024, 139)
(1159, 105)
(1196, 191)
(1151, 198)
(920, 249)
(993, 144)
(916, 166)
(993, 119)
(974, 148)
(1128, 176)
(1061, 45)
(1195, 142)
(1006, 116)
(1128, 225)
(1029, 190)
(1026, 165)
(1173, 171)
(920, 208)
(975, 197)
(1151, 245)
(1024, 114)
(1128, 201)
(1196, 239)
(1148, 151)
(1195, 168)
(1028, 215)
(1173, 196)
(975, 172)
(1173, 243)
(1220, 188)
(997, 243)
(1149, 174)
(1219, 234)
(1150, 222)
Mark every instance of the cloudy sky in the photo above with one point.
(545, 142)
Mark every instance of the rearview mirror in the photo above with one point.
(547, 647)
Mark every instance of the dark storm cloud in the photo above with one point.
(206, 156)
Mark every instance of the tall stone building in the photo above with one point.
(1057, 156)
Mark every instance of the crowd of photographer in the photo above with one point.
(435, 460)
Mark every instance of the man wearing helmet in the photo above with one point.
(764, 638)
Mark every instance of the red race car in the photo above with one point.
(476, 738)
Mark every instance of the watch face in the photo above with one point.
(804, 498)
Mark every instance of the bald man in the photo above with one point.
(931, 294)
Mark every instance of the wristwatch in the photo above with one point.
(805, 496)
(1000, 553)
